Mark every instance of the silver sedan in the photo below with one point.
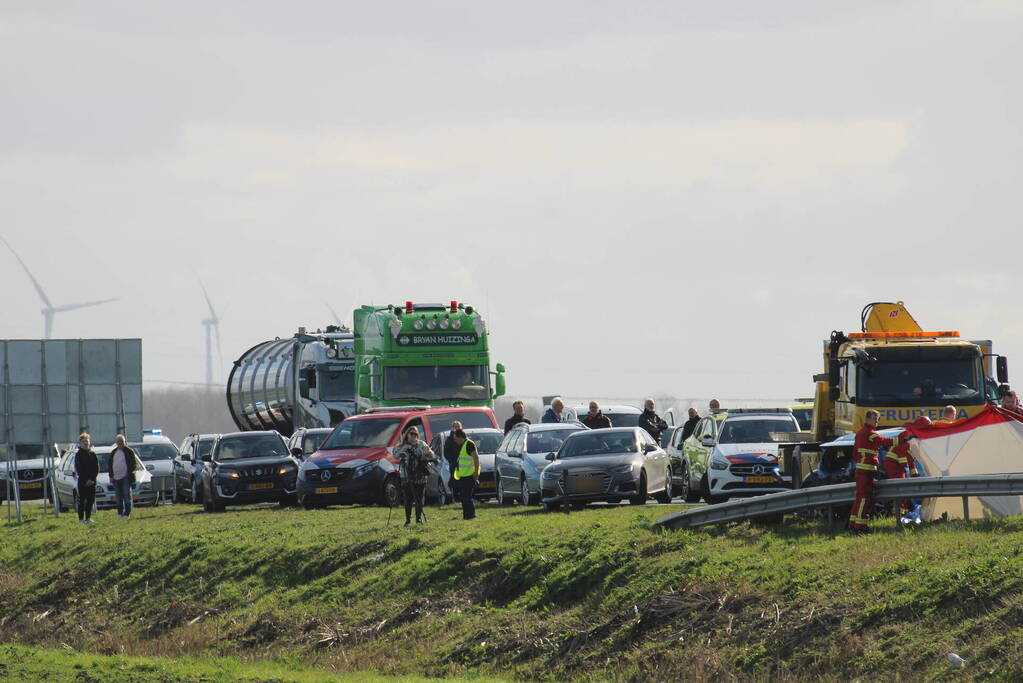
(607, 465)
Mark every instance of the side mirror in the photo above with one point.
(707, 441)
(303, 387)
(364, 383)
(297, 452)
(649, 448)
(1002, 366)
(499, 385)
(550, 456)
(500, 368)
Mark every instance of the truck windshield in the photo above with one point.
(756, 431)
(362, 433)
(920, 383)
(336, 383)
(437, 382)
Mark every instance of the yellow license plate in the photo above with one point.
(759, 480)
(32, 485)
(329, 489)
(486, 484)
(260, 487)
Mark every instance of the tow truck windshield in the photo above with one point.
(921, 383)
(371, 433)
(436, 382)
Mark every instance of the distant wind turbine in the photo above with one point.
(212, 326)
(49, 310)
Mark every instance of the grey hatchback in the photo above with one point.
(607, 465)
(522, 456)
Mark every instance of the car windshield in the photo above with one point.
(438, 382)
(920, 383)
(547, 441)
(149, 452)
(205, 446)
(262, 446)
(313, 439)
(362, 433)
(336, 382)
(486, 444)
(756, 431)
(598, 443)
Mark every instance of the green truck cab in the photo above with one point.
(423, 354)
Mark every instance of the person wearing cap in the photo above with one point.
(467, 472)
(714, 405)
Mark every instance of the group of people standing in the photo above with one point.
(415, 458)
(121, 468)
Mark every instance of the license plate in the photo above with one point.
(324, 491)
(260, 487)
(32, 485)
(486, 484)
(759, 480)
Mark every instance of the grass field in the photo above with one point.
(516, 594)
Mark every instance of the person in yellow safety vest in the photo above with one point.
(948, 416)
(467, 472)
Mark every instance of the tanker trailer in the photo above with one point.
(307, 380)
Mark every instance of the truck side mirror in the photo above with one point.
(365, 388)
(1002, 367)
(303, 387)
(834, 372)
(499, 386)
(833, 392)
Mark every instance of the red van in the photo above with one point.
(356, 463)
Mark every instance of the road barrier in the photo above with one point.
(834, 495)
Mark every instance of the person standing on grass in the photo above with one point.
(467, 472)
(414, 457)
(122, 473)
(86, 471)
(451, 455)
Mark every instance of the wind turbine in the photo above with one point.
(49, 310)
(212, 325)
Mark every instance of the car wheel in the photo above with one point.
(524, 496)
(665, 495)
(502, 497)
(210, 502)
(711, 500)
(641, 496)
(551, 507)
(391, 496)
(689, 494)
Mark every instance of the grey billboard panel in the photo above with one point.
(26, 400)
(130, 358)
(28, 428)
(56, 398)
(100, 398)
(100, 361)
(24, 361)
(55, 355)
(131, 398)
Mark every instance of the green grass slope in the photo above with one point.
(517, 593)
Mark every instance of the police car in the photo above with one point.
(743, 455)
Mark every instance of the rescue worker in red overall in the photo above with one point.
(865, 451)
(898, 460)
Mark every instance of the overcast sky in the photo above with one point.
(642, 197)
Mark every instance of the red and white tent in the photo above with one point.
(990, 442)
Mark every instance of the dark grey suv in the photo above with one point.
(248, 467)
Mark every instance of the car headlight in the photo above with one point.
(227, 475)
(287, 469)
(622, 469)
(719, 462)
(363, 469)
(551, 476)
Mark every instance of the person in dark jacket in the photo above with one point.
(451, 455)
(121, 469)
(651, 421)
(86, 471)
(518, 418)
(414, 457)
(690, 425)
(596, 419)
(556, 413)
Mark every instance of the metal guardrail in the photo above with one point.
(835, 495)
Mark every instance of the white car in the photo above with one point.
(142, 492)
(744, 453)
(620, 416)
(157, 454)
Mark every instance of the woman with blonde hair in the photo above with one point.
(86, 471)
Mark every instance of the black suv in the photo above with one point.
(248, 467)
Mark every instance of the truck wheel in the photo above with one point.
(665, 495)
(391, 496)
(641, 495)
(689, 493)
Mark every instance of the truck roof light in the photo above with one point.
(903, 335)
(408, 306)
(454, 306)
(456, 323)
